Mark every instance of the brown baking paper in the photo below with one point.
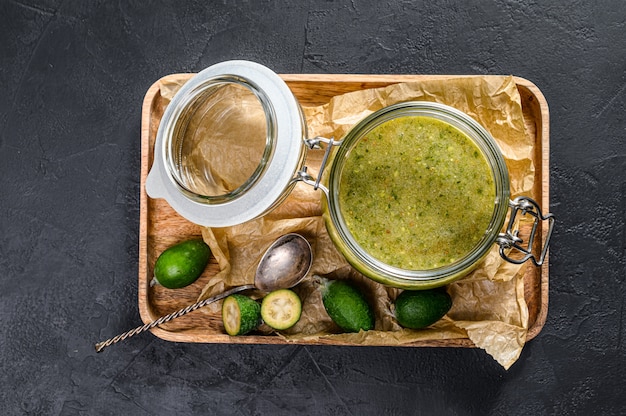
(489, 306)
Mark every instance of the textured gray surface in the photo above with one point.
(73, 76)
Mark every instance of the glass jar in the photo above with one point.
(417, 167)
(232, 112)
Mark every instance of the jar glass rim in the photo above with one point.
(179, 119)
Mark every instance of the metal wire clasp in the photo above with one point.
(510, 238)
(303, 175)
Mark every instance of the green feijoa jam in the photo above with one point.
(417, 193)
(240, 314)
(180, 265)
(347, 306)
(417, 309)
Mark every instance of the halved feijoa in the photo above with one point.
(281, 309)
(240, 314)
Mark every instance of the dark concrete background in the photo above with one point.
(73, 75)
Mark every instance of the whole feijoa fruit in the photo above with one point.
(180, 265)
(347, 306)
(420, 308)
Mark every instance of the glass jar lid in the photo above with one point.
(228, 146)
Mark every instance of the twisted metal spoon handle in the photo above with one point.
(102, 345)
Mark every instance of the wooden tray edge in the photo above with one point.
(544, 130)
(145, 309)
(275, 340)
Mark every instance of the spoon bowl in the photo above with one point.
(283, 265)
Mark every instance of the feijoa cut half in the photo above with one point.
(281, 309)
(240, 314)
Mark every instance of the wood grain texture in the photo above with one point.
(160, 226)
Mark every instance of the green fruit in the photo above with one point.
(347, 306)
(420, 308)
(240, 314)
(281, 309)
(181, 264)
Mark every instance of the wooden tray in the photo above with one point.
(160, 226)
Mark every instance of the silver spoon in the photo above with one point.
(285, 263)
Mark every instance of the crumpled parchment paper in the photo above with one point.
(489, 306)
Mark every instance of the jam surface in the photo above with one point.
(417, 193)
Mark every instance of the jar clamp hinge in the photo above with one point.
(304, 176)
(510, 238)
